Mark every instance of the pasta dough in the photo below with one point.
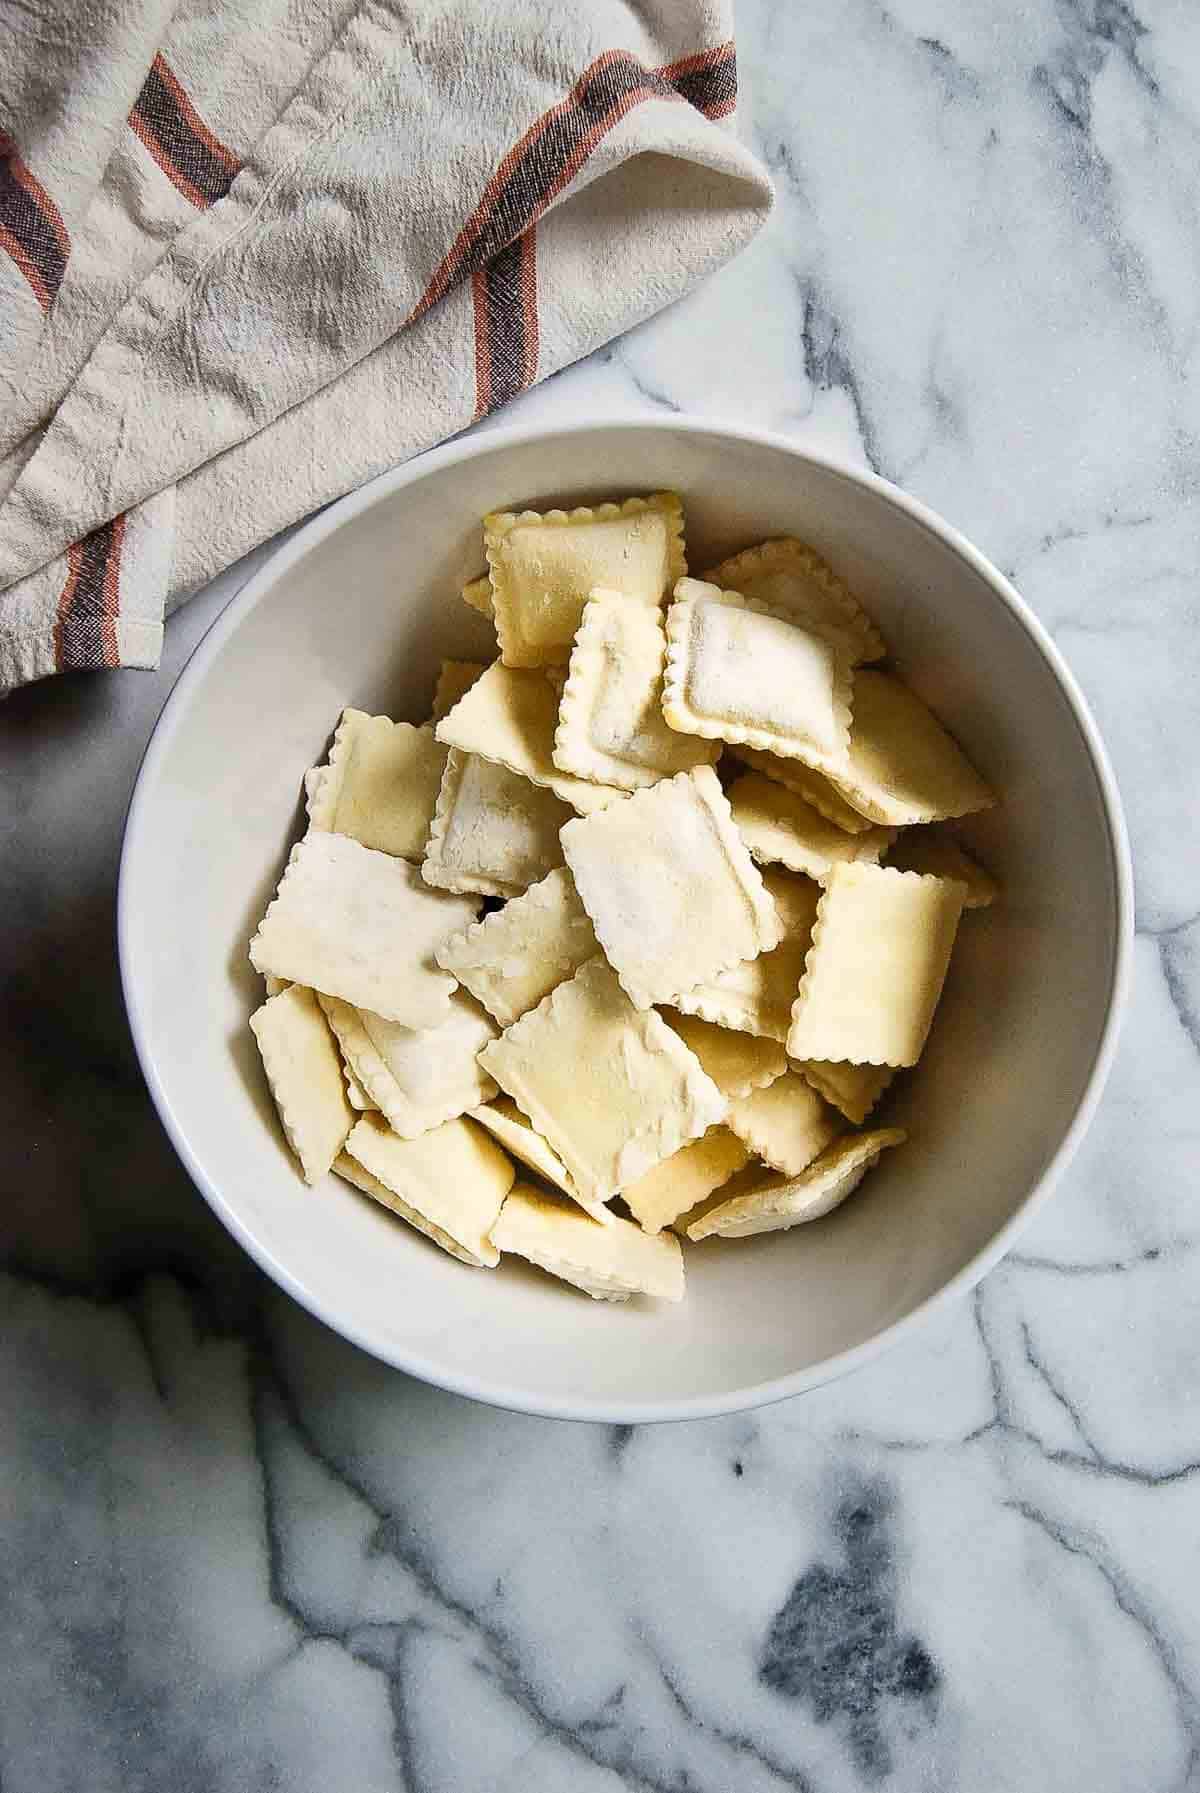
(610, 724)
(451, 1181)
(417, 1050)
(780, 828)
(612, 1088)
(510, 715)
(672, 892)
(417, 1077)
(358, 924)
(880, 947)
(510, 960)
(493, 831)
(304, 1071)
(902, 766)
(743, 673)
(778, 1202)
(380, 785)
(755, 996)
(545, 565)
(610, 1263)
(790, 576)
(685, 1179)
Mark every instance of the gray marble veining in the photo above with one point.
(237, 1554)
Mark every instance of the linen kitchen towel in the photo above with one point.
(253, 252)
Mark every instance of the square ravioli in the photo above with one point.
(789, 576)
(543, 567)
(451, 1181)
(612, 1088)
(685, 1179)
(380, 785)
(610, 1263)
(518, 1135)
(511, 959)
(300, 1058)
(610, 722)
(786, 1125)
(510, 716)
(881, 944)
(672, 892)
(777, 1202)
(417, 1077)
(756, 996)
(902, 766)
(806, 782)
(351, 922)
(493, 831)
(780, 828)
(739, 672)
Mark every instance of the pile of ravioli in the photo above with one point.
(653, 907)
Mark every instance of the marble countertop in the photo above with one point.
(237, 1554)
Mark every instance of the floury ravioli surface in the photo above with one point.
(721, 896)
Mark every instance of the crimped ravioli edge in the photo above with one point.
(498, 525)
(756, 1081)
(858, 1114)
(396, 1204)
(536, 1111)
(708, 787)
(458, 883)
(786, 554)
(869, 851)
(759, 1142)
(601, 1285)
(805, 782)
(282, 1108)
(680, 715)
(379, 1082)
(860, 799)
(573, 752)
(800, 996)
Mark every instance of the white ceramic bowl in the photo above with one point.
(359, 608)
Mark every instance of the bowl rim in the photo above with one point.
(479, 1387)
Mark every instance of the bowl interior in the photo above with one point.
(359, 609)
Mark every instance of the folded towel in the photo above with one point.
(253, 252)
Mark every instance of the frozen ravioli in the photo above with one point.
(774, 1203)
(609, 1263)
(612, 1087)
(352, 922)
(493, 831)
(380, 785)
(881, 946)
(671, 890)
(300, 1058)
(545, 565)
(742, 673)
(611, 726)
(511, 959)
(449, 1183)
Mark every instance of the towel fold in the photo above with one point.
(253, 252)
